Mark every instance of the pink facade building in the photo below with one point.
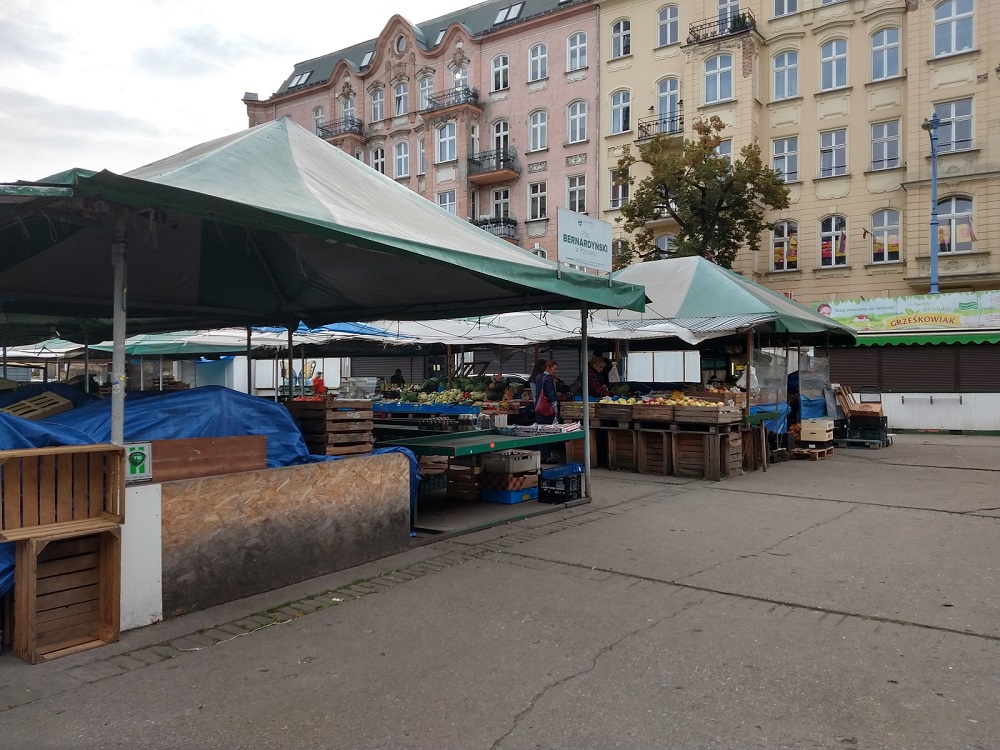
(490, 112)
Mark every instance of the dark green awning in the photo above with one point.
(908, 339)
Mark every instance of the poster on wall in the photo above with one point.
(929, 312)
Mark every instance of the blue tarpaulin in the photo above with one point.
(6, 567)
(779, 425)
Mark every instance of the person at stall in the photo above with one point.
(318, 384)
(595, 378)
(497, 388)
(397, 378)
(533, 376)
(547, 389)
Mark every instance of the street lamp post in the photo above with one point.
(931, 127)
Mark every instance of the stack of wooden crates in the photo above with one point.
(334, 426)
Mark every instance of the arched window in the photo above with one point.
(665, 245)
(538, 62)
(461, 76)
(378, 160)
(955, 231)
(718, 79)
(786, 75)
(621, 38)
(378, 105)
(885, 236)
(425, 89)
(885, 54)
(538, 131)
(421, 156)
(952, 27)
(401, 152)
(576, 51)
(318, 120)
(347, 108)
(667, 26)
(447, 142)
(785, 246)
(668, 105)
(833, 241)
(400, 98)
(576, 121)
(501, 135)
(621, 112)
(833, 62)
(501, 73)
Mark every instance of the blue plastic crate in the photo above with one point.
(508, 497)
(554, 472)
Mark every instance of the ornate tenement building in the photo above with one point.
(505, 110)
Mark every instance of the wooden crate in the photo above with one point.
(575, 449)
(621, 448)
(207, 457)
(464, 479)
(732, 455)
(68, 594)
(42, 406)
(572, 411)
(712, 455)
(335, 427)
(615, 412)
(707, 414)
(654, 413)
(653, 452)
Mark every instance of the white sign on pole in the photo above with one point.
(583, 241)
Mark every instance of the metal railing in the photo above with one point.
(493, 161)
(341, 126)
(716, 28)
(657, 124)
(498, 226)
(452, 98)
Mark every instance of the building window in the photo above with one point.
(538, 63)
(833, 58)
(725, 149)
(885, 145)
(667, 25)
(501, 135)
(718, 79)
(955, 231)
(576, 52)
(576, 122)
(378, 105)
(425, 90)
(785, 7)
(952, 27)
(401, 152)
(786, 159)
(538, 131)
(785, 244)
(885, 236)
(666, 245)
(421, 156)
(318, 120)
(347, 108)
(885, 54)
(501, 73)
(576, 193)
(621, 112)
(447, 143)
(300, 79)
(668, 104)
(786, 75)
(446, 200)
(536, 201)
(619, 193)
(400, 98)
(501, 203)
(461, 76)
(378, 160)
(509, 13)
(833, 153)
(833, 242)
(955, 131)
(621, 39)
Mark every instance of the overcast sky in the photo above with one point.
(117, 84)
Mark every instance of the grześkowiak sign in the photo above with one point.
(928, 312)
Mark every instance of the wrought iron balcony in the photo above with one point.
(657, 124)
(341, 126)
(499, 226)
(452, 98)
(489, 167)
(716, 28)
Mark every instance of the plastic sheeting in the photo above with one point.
(6, 568)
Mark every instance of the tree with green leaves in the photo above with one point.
(718, 202)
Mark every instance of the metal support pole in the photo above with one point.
(931, 127)
(118, 335)
(291, 365)
(584, 381)
(249, 362)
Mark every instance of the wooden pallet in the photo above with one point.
(812, 454)
(42, 406)
(335, 427)
(858, 443)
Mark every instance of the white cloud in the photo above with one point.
(117, 84)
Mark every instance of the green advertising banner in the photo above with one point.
(928, 312)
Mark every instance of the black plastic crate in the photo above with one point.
(862, 433)
(868, 422)
(561, 489)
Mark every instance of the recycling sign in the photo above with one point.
(139, 462)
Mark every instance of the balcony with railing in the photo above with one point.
(343, 126)
(669, 125)
(452, 98)
(491, 167)
(504, 227)
(721, 26)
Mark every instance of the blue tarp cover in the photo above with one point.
(6, 567)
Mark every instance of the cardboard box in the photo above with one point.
(508, 482)
(819, 425)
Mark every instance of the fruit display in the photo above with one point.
(677, 398)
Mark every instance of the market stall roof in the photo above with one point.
(929, 337)
(266, 226)
(705, 298)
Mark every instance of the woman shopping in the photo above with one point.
(547, 404)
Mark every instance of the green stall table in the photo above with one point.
(471, 443)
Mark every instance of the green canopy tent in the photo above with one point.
(268, 226)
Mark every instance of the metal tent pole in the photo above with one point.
(249, 362)
(584, 381)
(291, 365)
(118, 335)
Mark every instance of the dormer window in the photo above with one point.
(439, 37)
(509, 13)
(300, 78)
(367, 58)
